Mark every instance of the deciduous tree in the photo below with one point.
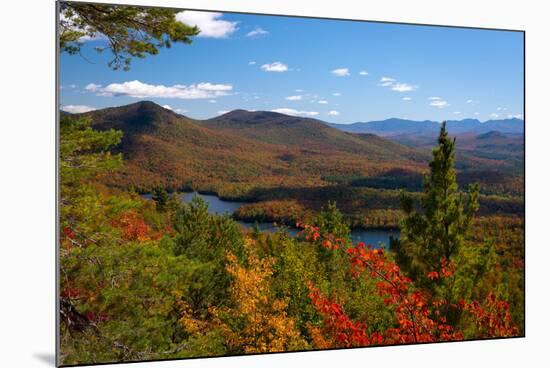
(265, 325)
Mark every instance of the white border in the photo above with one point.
(27, 306)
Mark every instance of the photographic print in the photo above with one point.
(233, 183)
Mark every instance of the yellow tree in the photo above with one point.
(257, 322)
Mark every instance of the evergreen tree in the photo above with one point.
(84, 156)
(434, 234)
(161, 198)
(331, 221)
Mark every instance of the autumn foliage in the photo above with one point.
(159, 279)
(267, 327)
(338, 329)
(492, 318)
(417, 316)
(134, 227)
(255, 321)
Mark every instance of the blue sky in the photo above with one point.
(337, 71)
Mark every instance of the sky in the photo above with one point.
(335, 71)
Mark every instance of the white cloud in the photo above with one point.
(386, 81)
(363, 72)
(502, 108)
(333, 113)
(494, 115)
(438, 102)
(299, 90)
(515, 116)
(457, 113)
(72, 23)
(212, 101)
(276, 66)
(322, 102)
(92, 87)
(294, 112)
(252, 62)
(476, 113)
(221, 112)
(210, 24)
(213, 87)
(294, 98)
(407, 98)
(77, 109)
(167, 107)
(337, 94)
(181, 111)
(342, 72)
(257, 32)
(403, 87)
(138, 89)
(394, 85)
(469, 101)
(96, 37)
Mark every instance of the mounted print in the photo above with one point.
(233, 183)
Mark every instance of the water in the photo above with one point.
(220, 207)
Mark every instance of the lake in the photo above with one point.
(219, 206)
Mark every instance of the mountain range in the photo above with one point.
(241, 150)
(395, 127)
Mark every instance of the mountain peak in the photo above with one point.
(246, 117)
(148, 105)
(140, 116)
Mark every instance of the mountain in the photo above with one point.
(389, 127)
(491, 135)
(395, 127)
(308, 134)
(507, 149)
(504, 126)
(161, 147)
(241, 150)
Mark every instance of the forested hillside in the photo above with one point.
(270, 159)
(237, 149)
(161, 279)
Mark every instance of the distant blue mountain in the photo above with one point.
(394, 126)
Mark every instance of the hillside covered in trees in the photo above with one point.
(162, 279)
(271, 160)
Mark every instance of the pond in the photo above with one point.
(220, 206)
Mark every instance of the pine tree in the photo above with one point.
(131, 31)
(330, 220)
(161, 198)
(434, 234)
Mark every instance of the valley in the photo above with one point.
(286, 168)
